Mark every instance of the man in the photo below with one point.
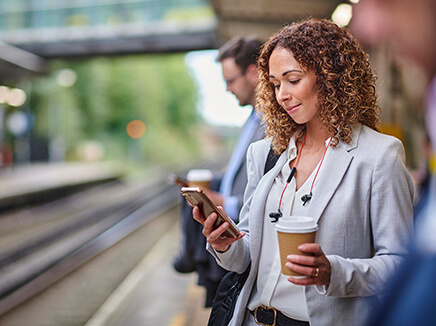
(238, 61)
(410, 26)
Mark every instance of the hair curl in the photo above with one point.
(345, 81)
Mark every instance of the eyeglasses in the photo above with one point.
(232, 80)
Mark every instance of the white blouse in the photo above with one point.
(272, 289)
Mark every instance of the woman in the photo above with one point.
(317, 96)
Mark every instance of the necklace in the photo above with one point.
(306, 198)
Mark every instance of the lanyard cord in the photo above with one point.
(293, 170)
(319, 167)
(306, 198)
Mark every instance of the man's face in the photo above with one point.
(409, 25)
(239, 82)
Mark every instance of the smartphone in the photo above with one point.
(197, 197)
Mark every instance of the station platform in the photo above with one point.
(36, 180)
(155, 294)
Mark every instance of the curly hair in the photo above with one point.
(345, 81)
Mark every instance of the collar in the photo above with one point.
(291, 151)
(354, 140)
(255, 114)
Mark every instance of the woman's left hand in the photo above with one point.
(317, 267)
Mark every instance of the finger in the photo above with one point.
(312, 248)
(223, 242)
(302, 269)
(228, 240)
(303, 260)
(218, 232)
(196, 214)
(221, 209)
(209, 223)
(301, 281)
(313, 276)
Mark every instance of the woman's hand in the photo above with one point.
(317, 267)
(218, 241)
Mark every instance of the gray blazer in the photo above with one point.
(365, 224)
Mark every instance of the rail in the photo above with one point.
(52, 250)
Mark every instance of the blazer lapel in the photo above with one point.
(258, 205)
(336, 164)
(335, 167)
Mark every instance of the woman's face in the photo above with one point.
(295, 89)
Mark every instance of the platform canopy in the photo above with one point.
(34, 31)
(264, 17)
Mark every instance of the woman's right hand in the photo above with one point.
(215, 237)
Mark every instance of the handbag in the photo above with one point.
(232, 283)
(226, 296)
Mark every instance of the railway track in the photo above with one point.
(41, 245)
(34, 263)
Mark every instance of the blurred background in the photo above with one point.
(110, 81)
(135, 81)
(99, 101)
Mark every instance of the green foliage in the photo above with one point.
(110, 92)
(189, 14)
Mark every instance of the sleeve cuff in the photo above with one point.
(222, 256)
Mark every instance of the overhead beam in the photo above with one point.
(160, 37)
(18, 63)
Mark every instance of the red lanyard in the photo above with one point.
(306, 198)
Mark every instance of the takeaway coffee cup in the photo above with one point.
(199, 178)
(293, 231)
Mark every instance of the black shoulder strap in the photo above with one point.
(270, 160)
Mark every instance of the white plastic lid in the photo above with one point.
(199, 175)
(296, 224)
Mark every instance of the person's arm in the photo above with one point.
(391, 213)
